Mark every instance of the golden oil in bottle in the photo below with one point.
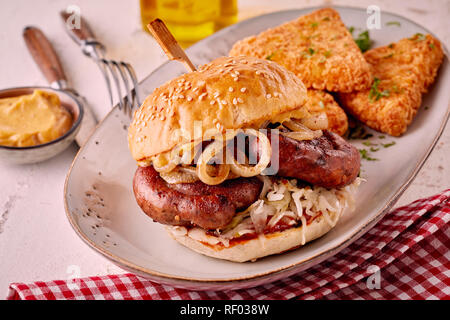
(190, 20)
(228, 13)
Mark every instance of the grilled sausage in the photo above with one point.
(185, 204)
(328, 161)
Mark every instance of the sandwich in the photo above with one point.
(234, 164)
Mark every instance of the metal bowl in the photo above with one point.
(41, 152)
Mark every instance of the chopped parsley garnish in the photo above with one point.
(365, 155)
(391, 45)
(314, 24)
(390, 144)
(351, 29)
(359, 132)
(374, 93)
(418, 37)
(327, 53)
(363, 41)
(432, 46)
(322, 106)
(373, 149)
(388, 56)
(270, 56)
(309, 53)
(326, 19)
(381, 137)
(367, 143)
(393, 23)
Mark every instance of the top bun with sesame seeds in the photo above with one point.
(227, 93)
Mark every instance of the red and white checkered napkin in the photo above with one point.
(405, 256)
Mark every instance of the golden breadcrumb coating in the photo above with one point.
(317, 47)
(403, 71)
(320, 101)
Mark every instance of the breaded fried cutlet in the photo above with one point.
(317, 47)
(402, 73)
(320, 101)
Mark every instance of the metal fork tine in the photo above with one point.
(133, 77)
(97, 54)
(128, 105)
(117, 70)
(111, 67)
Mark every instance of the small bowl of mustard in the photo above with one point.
(37, 123)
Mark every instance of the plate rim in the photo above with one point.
(163, 277)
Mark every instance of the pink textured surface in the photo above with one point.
(409, 247)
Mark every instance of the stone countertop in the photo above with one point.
(36, 240)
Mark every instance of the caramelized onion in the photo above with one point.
(264, 157)
(204, 169)
(163, 162)
(180, 175)
(318, 121)
(300, 131)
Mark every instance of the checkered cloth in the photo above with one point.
(405, 256)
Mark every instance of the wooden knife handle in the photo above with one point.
(43, 54)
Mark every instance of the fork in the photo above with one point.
(120, 73)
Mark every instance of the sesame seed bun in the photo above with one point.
(227, 93)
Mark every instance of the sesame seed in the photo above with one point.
(243, 89)
(195, 89)
(216, 94)
(224, 102)
(268, 96)
(236, 79)
(200, 97)
(230, 89)
(212, 102)
(258, 72)
(235, 102)
(240, 100)
(181, 96)
(276, 94)
(189, 98)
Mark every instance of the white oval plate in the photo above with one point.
(101, 207)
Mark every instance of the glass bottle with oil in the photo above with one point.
(190, 20)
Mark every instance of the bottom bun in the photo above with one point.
(252, 249)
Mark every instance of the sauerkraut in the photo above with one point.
(280, 201)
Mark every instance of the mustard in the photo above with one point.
(32, 119)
